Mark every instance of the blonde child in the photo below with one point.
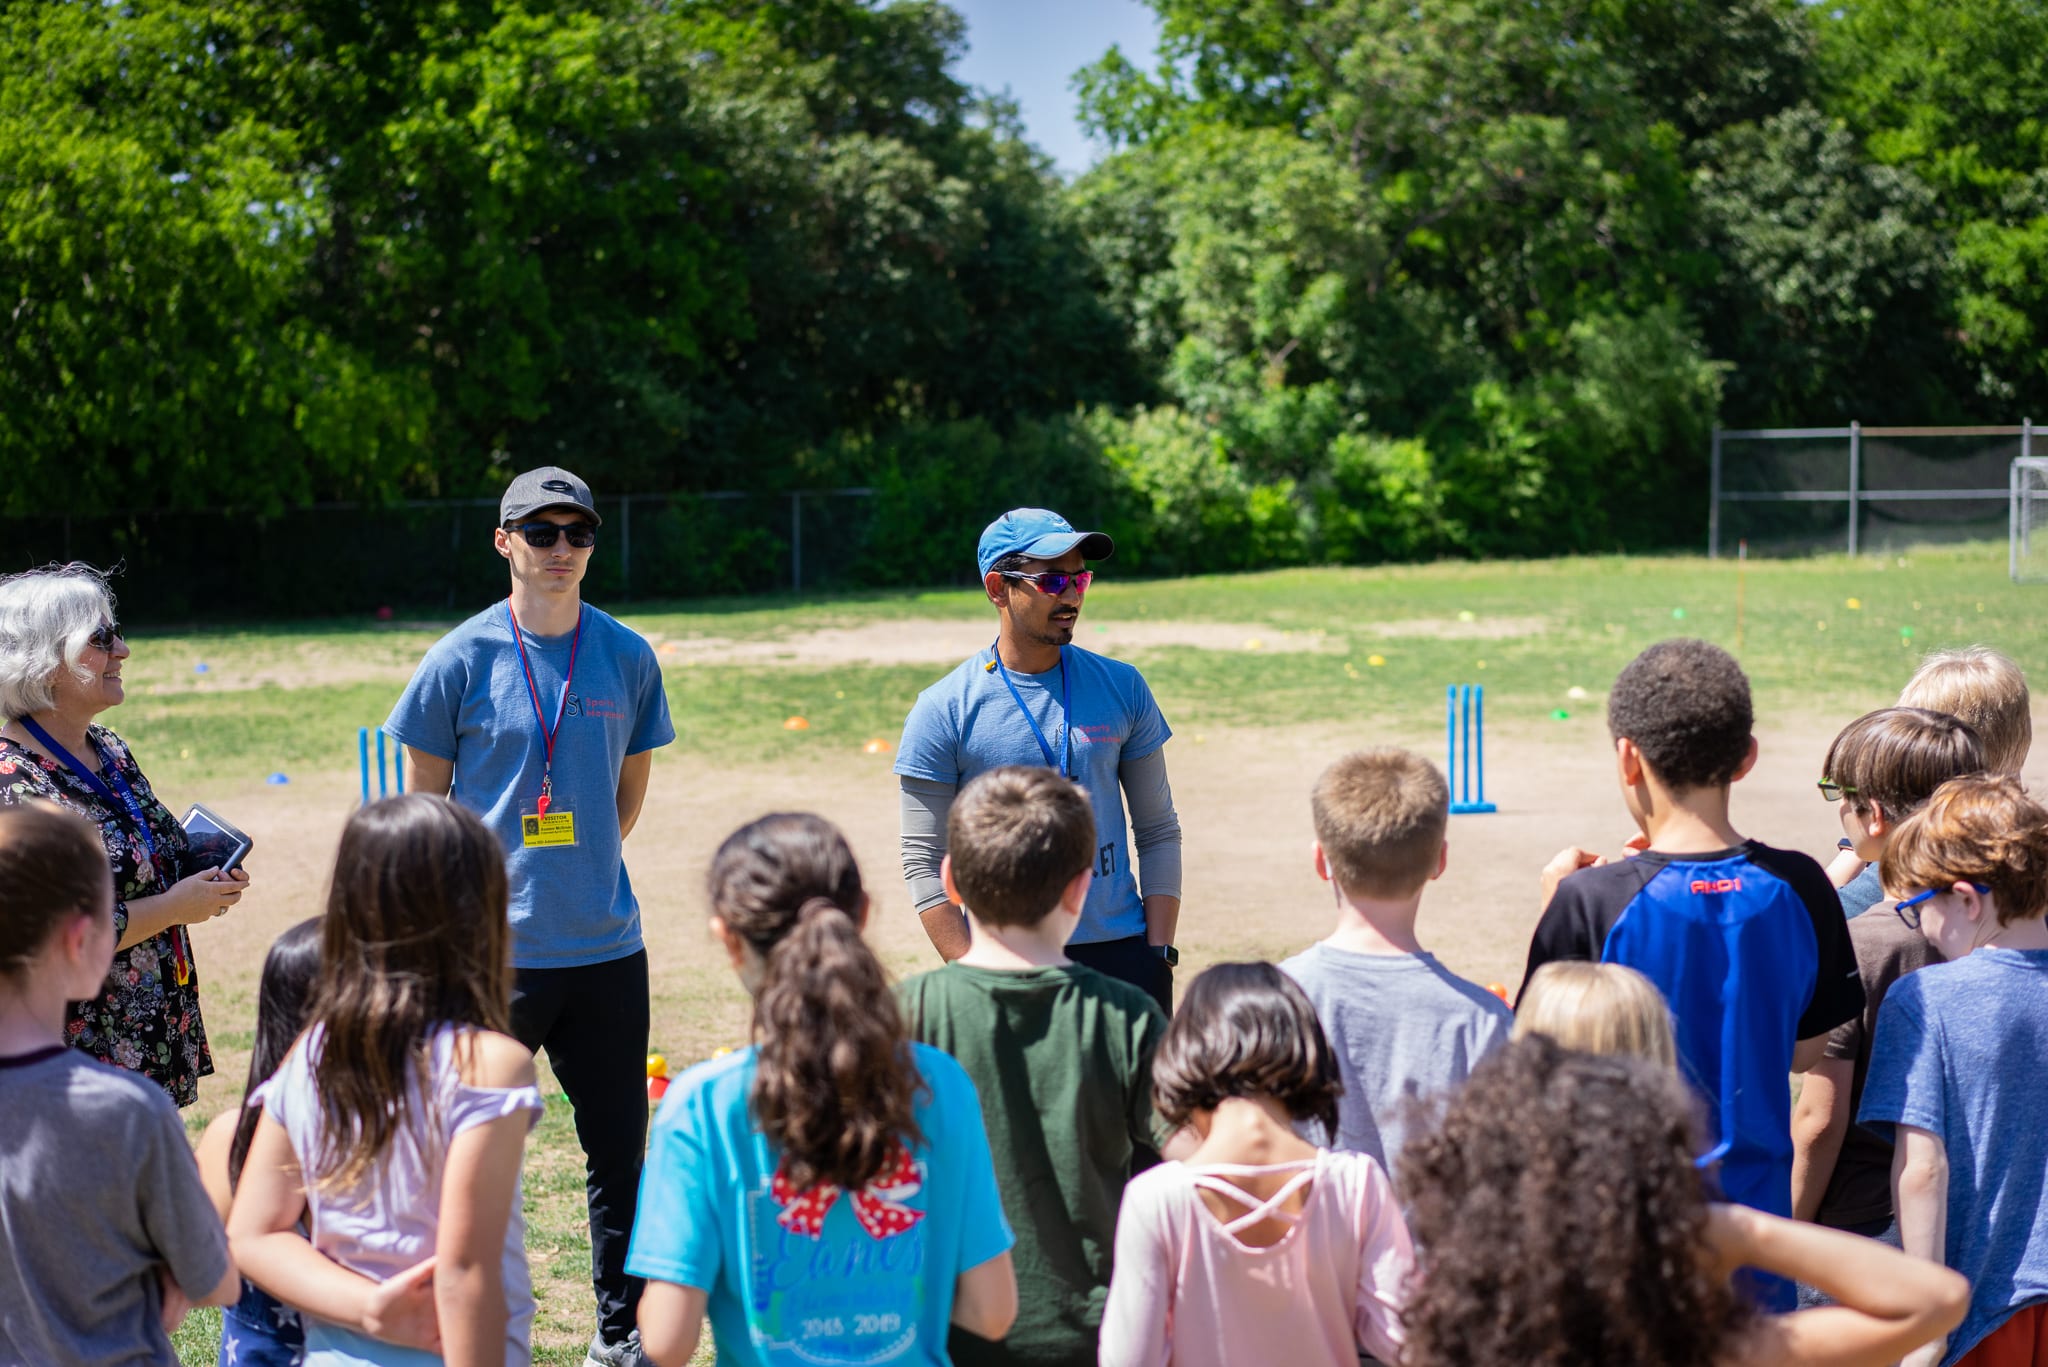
(1401, 1023)
(105, 1230)
(1261, 1247)
(389, 1147)
(1960, 1050)
(825, 1194)
(1986, 692)
(1598, 1009)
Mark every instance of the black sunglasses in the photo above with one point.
(104, 635)
(541, 535)
(1053, 583)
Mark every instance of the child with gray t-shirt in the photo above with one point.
(1402, 1025)
(103, 1220)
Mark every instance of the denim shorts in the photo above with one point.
(258, 1331)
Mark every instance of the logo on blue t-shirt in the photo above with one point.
(837, 1276)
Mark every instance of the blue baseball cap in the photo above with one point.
(1039, 533)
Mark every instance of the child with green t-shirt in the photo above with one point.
(1061, 1054)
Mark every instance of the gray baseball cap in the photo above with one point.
(548, 487)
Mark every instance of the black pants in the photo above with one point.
(592, 1021)
(1129, 960)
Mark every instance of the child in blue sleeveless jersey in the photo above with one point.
(1746, 942)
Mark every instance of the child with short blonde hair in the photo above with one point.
(1402, 1024)
(1986, 691)
(1960, 1049)
(1598, 1009)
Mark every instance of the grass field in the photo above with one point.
(1263, 677)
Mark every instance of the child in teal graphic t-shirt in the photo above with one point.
(825, 1196)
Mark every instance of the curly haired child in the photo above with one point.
(1563, 1222)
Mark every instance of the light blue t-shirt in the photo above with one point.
(968, 722)
(1403, 1028)
(777, 1294)
(1960, 1052)
(468, 702)
(1861, 893)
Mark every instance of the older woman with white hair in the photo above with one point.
(60, 667)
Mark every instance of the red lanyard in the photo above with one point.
(547, 733)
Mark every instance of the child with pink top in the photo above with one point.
(1261, 1247)
(380, 1196)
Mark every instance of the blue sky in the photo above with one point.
(1035, 46)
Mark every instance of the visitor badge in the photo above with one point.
(540, 832)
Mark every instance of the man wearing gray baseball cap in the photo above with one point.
(542, 713)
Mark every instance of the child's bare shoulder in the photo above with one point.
(486, 1058)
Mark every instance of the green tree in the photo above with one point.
(1956, 94)
(1828, 295)
(153, 243)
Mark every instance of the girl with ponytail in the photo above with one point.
(1957, 1062)
(825, 1195)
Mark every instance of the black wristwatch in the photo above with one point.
(1168, 953)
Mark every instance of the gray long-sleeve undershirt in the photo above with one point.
(1155, 830)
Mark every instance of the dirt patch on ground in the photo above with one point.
(933, 641)
(939, 641)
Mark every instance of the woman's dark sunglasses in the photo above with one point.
(541, 535)
(104, 635)
(1835, 792)
(1053, 583)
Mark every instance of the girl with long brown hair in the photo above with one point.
(825, 1195)
(394, 1128)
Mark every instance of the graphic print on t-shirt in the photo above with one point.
(1750, 950)
(837, 1276)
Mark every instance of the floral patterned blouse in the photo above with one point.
(144, 1019)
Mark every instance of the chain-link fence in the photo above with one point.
(1798, 490)
(2027, 556)
(436, 554)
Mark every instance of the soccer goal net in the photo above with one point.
(2029, 520)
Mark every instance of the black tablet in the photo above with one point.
(214, 841)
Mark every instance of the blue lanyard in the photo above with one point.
(1065, 765)
(93, 781)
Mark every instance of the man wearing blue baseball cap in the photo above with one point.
(1033, 697)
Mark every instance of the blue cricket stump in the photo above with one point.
(1465, 711)
(390, 772)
